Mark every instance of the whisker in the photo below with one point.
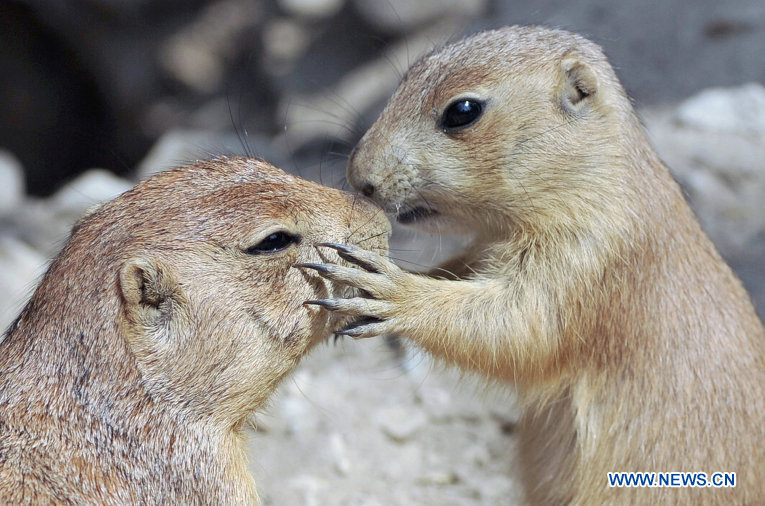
(367, 222)
(341, 102)
(411, 262)
(375, 236)
(344, 184)
(395, 66)
(236, 126)
(326, 122)
(328, 156)
(339, 155)
(291, 151)
(247, 148)
(334, 115)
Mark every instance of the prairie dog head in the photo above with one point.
(507, 127)
(201, 260)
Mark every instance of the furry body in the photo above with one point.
(590, 285)
(172, 313)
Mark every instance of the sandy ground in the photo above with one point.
(413, 434)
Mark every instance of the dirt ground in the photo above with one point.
(412, 434)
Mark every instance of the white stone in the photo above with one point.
(175, 148)
(12, 187)
(284, 41)
(331, 113)
(310, 487)
(739, 110)
(440, 478)
(340, 456)
(312, 8)
(400, 423)
(21, 268)
(399, 16)
(89, 189)
(438, 403)
(197, 54)
(722, 173)
(497, 488)
(477, 454)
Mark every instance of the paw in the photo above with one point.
(380, 280)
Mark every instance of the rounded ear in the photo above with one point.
(579, 83)
(149, 290)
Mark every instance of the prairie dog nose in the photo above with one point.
(356, 173)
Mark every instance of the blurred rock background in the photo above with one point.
(97, 94)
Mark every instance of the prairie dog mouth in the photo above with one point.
(415, 214)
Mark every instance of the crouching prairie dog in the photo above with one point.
(171, 314)
(589, 284)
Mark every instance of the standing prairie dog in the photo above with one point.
(172, 313)
(589, 284)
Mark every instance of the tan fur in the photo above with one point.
(154, 335)
(590, 285)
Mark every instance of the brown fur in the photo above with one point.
(154, 335)
(590, 285)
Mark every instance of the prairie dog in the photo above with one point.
(172, 313)
(590, 285)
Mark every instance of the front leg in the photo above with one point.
(458, 267)
(502, 328)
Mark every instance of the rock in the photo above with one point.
(181, 146)
(12, 187)
(21, 268)
(312, 8)
(45, 223)
(438, 404)
(310, 488)
(90, 188)
(284, 41)
(477, 455)
(739, 110)
(442, 478)
(721, 172)
(295, 408)
(339, 451)
(36, 223)
(400, 423)
(331, 114)
(400, 16)
(497, 490)
(175, 148)
(406, 464)
(197, 55)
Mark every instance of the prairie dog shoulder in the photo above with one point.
(590, 286)
(171, 314)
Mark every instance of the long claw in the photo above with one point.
(354, 332)
(347, 254)
(324, 268)
(356, 328)
(335, 246)
(328, 304)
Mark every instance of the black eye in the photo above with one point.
(273, 243)
(461, 113)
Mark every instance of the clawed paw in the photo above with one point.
(375, 276)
